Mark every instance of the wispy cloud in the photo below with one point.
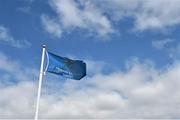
(161, 44)
(174, 52)
(84, 15)
(26, 9)
(52, 26)
(171, 46)
(27, 6)
(99, 17)
(6, 37)
(14, 69)
(147, 15)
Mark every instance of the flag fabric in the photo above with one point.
(73, 69)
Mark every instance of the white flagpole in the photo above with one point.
(40, 82)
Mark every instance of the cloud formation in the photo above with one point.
(51, 26)
(83, 15)
(161, 44)
(101, 17)
(142, 91)
(168, 45)
(147, 15)
(5, 36)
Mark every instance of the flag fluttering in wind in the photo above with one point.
(73, 69)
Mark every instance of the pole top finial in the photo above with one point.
(44, 46)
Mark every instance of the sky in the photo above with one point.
(131, 48)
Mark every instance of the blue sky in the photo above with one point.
(119, 40)
(116, 48)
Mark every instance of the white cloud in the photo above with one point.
(171, 46)
(174, 51)
(99, 17)
(26, 9)
(161, 44)
(51, 26)
(5, 36)
(159, 14)
(17, 101)
(141, 91)
(95, 67)
(83, 15)
(13, 71)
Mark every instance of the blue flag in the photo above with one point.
(74, 69)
